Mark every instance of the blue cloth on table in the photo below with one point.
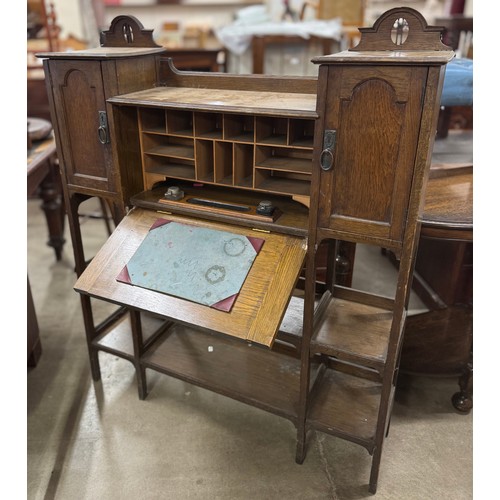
(457, 88)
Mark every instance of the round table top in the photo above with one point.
(448, 202)
(38, 128)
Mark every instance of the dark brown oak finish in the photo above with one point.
(382, 104)
(354, 147)
(91, 162)
(78, 84)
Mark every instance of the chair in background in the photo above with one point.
(42, 25)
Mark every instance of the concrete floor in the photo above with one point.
(98, 441)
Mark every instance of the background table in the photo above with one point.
(439, 342)
(43, 179)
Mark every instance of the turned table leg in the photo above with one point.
(53, 206)
(462, 400)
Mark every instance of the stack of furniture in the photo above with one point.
(343, 157)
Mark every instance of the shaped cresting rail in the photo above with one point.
(401, 28)
(127, 31)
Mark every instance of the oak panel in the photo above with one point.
(259, 308)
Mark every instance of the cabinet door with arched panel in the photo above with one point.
(371, 122)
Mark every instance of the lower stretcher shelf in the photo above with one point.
(346, 406)
(117, 338)
(342, 405)
(241, 370)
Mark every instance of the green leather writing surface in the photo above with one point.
(199, 264)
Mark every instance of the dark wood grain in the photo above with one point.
(370, 182)
(78, 84)
(355, 332)
(383, 107)
(170, 76)
(347, 407)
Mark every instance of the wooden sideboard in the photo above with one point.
(300, 163)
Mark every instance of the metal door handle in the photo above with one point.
(102, 130)
(326, 158)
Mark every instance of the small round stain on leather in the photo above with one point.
(234, 247)
(215, 274)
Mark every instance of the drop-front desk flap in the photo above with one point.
(259, 306)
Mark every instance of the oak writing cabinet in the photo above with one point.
(342, 159)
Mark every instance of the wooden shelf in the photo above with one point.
(284, 104)
(285, 164)
(154, 130)
(305, 143)
(273, 140)
(211, 135)
(176, 170)
(244, 183)
(182, 133)
(173, 151)
(247, 138)
(245, 371)
(346, 406)
(117, 338)
(284, 186)
(225, 151)
(354, 332)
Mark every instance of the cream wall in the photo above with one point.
(215, 12)
(69, 18)
(212, 12)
